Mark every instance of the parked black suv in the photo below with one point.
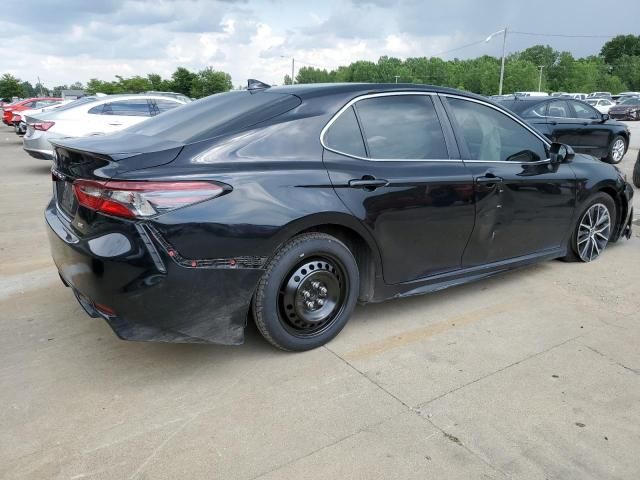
(292, 204)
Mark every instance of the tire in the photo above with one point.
(617, 149)
(636, 172)
(307, 293)
(581, 246)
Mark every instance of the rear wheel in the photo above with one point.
(307, 293)
(593, 231)
(617, 149)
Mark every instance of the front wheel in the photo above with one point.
(593, 231)
(617, 149)
(307, 293)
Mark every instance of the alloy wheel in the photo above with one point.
(312, 296)
(593, 232)
(617, 150)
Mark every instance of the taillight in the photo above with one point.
(142, 199)
(42, 126)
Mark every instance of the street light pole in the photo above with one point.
(540, 78)
(293, 68)
(504, 46)
(504, 51)
(397, 77)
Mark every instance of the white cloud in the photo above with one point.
(69, 40)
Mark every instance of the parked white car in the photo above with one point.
(531, 94)
(601, 104)
(578, 96)
(96, 115)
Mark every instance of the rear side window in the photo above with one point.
(128, 108)
(537, 111)
(344, 135)
(559, 109)
(402, 127)
(216, 115)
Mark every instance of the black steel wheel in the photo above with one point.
(307, 293)
(594, 229)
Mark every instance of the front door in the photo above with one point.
(388, 160)
(524, 204)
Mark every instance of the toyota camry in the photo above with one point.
(287, 206)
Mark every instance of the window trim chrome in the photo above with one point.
(353, 101)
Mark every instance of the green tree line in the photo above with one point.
(615, 69)
(193, 84)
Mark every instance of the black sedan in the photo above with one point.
(627, 109)
(292, 204)
(574, 123)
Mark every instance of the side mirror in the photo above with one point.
(560, 153)
(605, 117)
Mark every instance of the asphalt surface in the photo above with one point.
(534, 374)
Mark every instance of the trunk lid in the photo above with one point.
(103, 157)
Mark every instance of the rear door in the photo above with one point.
(397, 169)
(563, 126)
(594, 133)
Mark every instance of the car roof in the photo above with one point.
(321, 89)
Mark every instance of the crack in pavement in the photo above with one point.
(612, 360)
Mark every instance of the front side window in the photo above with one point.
(585, 111)
(402, 127)
(559, 109)
(490, 135)
(128, 108)
(344, 135)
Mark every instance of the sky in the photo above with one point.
(63, 41)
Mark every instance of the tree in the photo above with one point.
(76, 86)
(627, 68)
(312, 75)
(57, 91)
(539, 55)
(287, 80)
(617, 47)
(182, 80)
(209, 81)
(28, 89)
(10, 87)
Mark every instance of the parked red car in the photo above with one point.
(7, 115)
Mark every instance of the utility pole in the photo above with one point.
(397, 77)
(504, 51)
(540, 78)
(293, 68)
(40, 86)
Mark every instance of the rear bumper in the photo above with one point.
(144, 294)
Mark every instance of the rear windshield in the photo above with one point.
(76, 103)
(217, 114)
(518, 106)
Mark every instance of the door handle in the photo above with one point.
(368, 183)
(489, 179)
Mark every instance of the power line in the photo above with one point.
(457, 48)
(559, 35)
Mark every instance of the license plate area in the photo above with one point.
(65, 198)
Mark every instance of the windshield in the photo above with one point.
(592, 102)
(217, 114)
(630, 101)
